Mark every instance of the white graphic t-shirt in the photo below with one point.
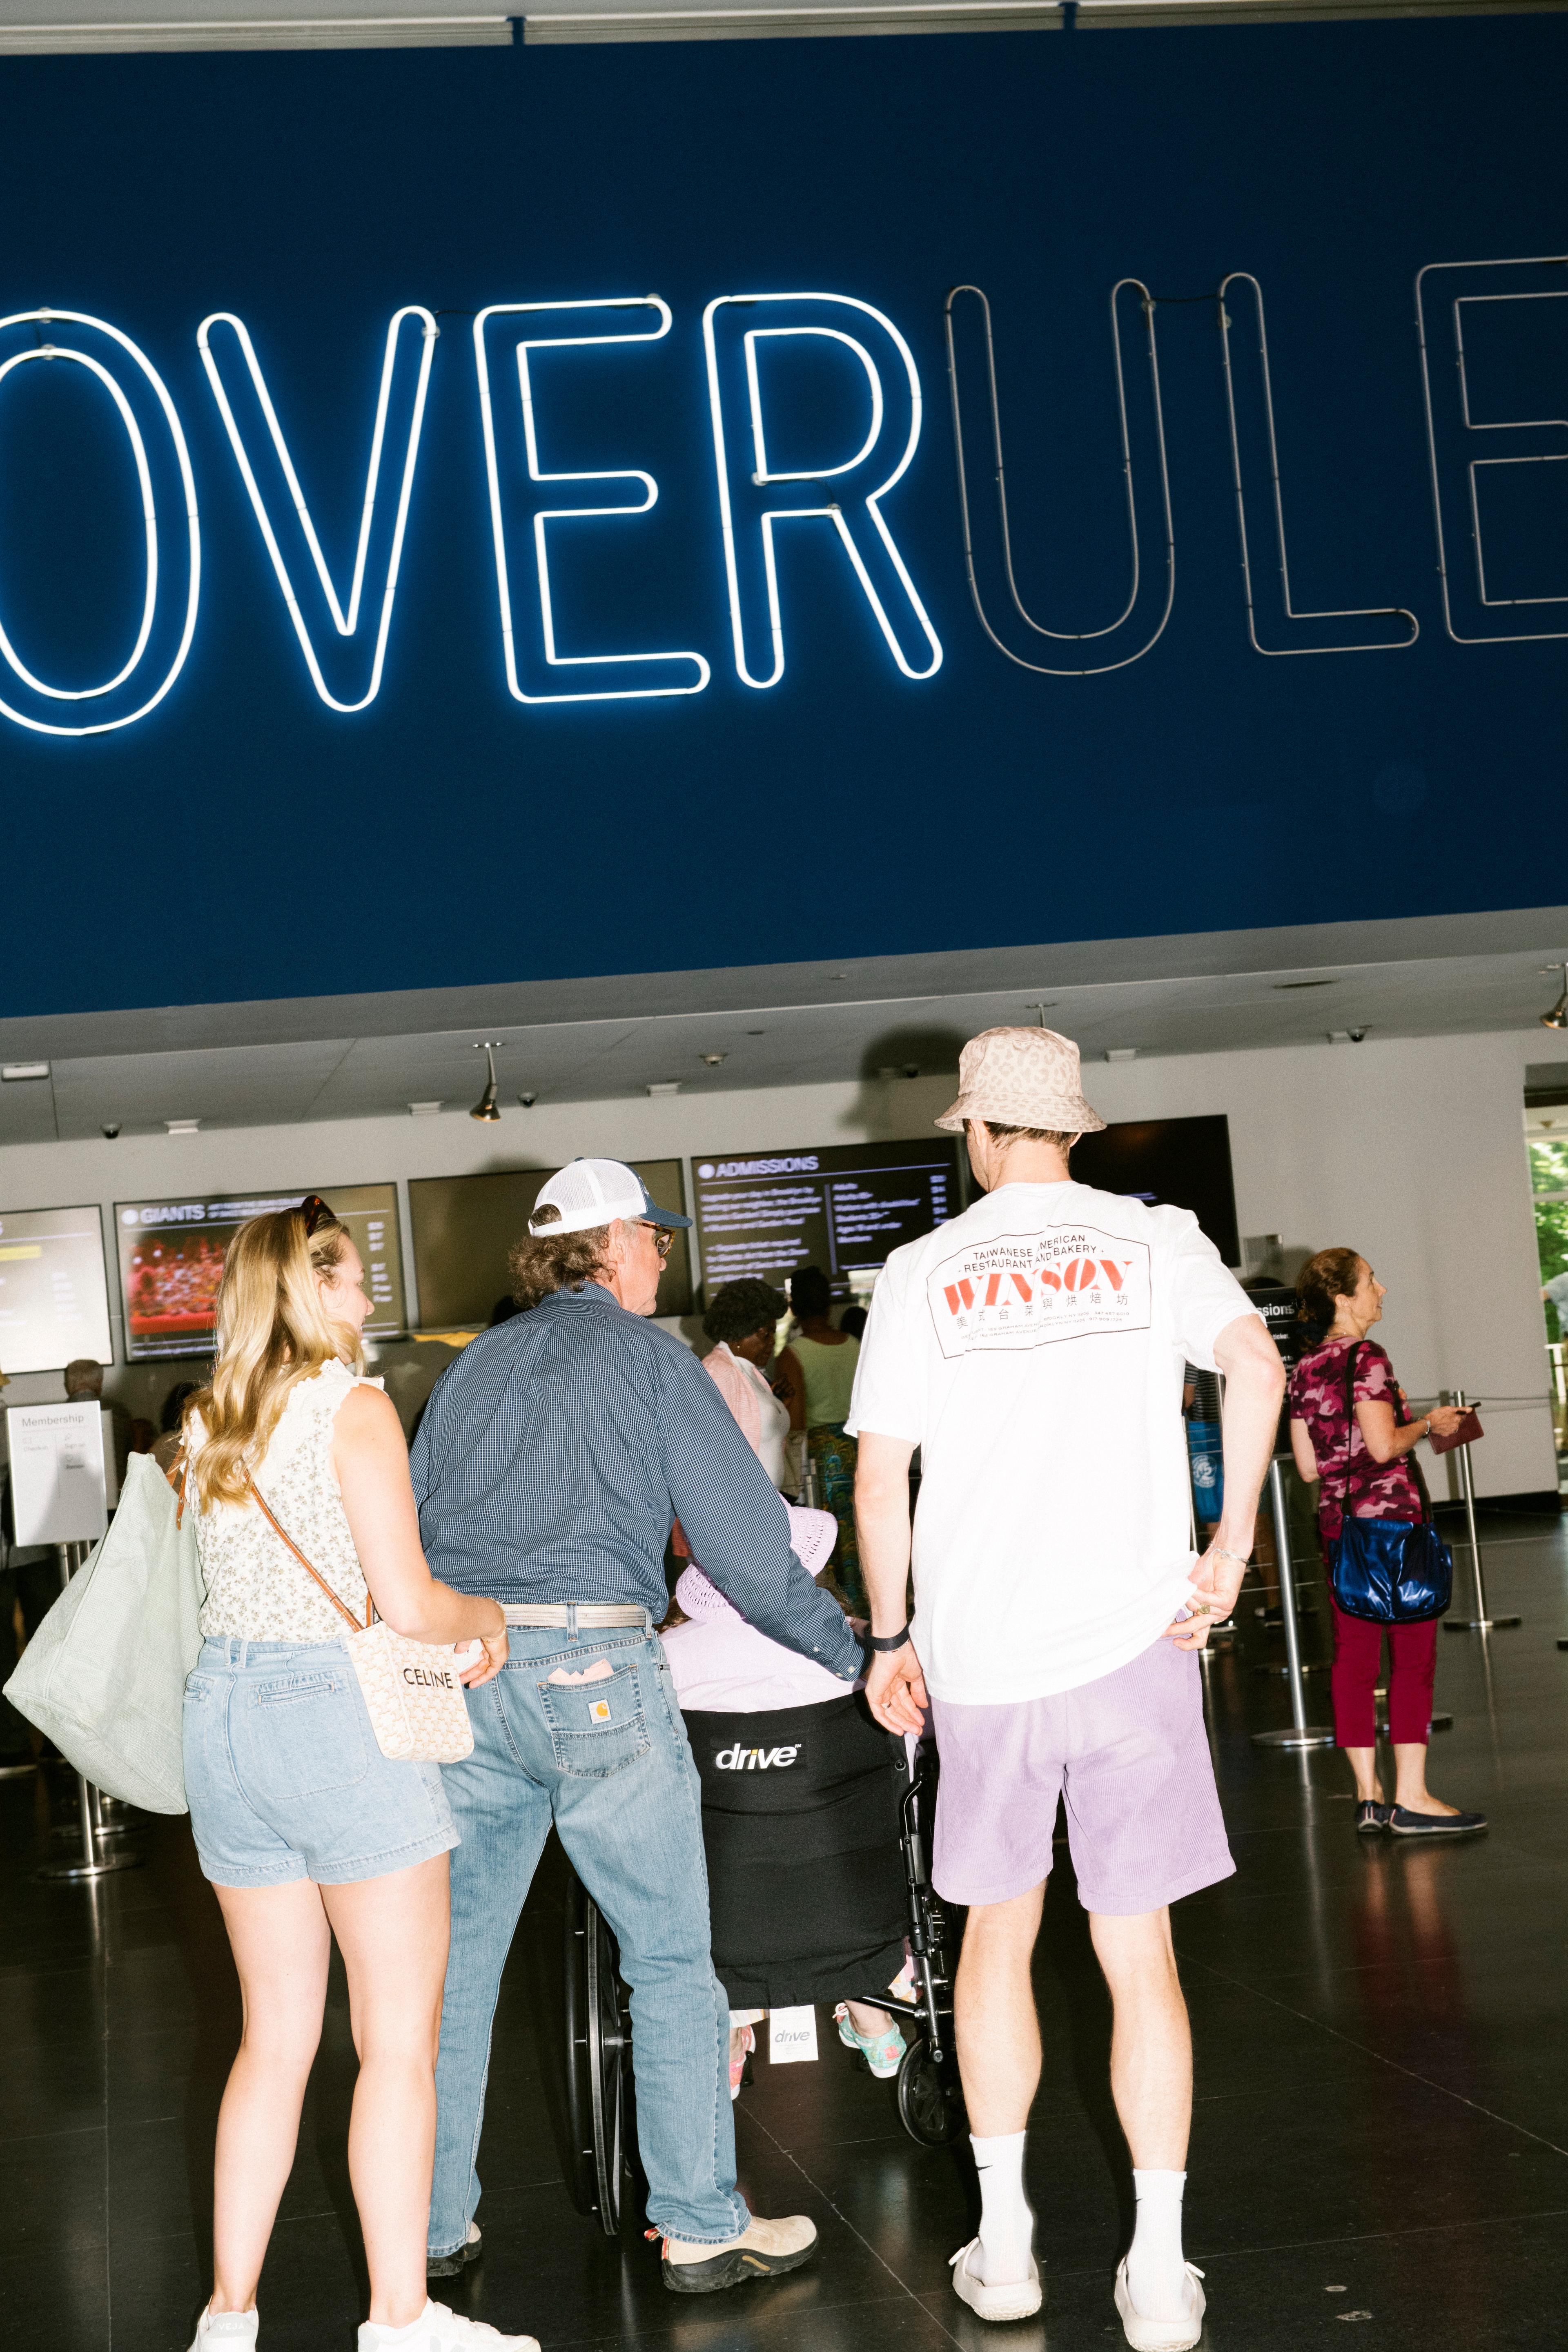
(1034, 1350)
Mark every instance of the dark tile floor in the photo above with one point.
(1381, 2137)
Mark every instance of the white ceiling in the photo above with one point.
(276, 1064)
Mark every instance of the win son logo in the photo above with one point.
(758, 1760)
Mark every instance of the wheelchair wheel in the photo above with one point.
(930, 2100)
(598, 2062)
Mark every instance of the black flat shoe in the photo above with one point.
(1372, 1817)
(1404, 1823)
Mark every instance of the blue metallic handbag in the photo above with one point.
(1389, 1572)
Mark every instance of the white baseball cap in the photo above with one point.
(591, 1192)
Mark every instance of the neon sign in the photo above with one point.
(346, 623)
(123, 409)
(863, 552)
(547, 515)
(749, 342)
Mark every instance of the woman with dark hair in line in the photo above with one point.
(1364, 1456)
(816, 1376)
(743, 1321)
(308, 1833)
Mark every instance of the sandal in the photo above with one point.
(738, 2063)
(882, 2052)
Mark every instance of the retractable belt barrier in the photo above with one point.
(97, 1861)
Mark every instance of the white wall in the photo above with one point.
(1410, 1150)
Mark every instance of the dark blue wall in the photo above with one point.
(244, 840)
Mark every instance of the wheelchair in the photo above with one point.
(600, 2081)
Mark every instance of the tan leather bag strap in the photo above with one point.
(341, 1607)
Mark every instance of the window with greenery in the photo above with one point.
(1549, 1178)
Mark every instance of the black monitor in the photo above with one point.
(844, 1207)
(171, 1255)
(1184, 1161)
(53, 1295)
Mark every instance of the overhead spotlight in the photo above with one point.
(528, 1101)
(713, 1060)
(1558, 1016)
(1042, 1007)
(110, 1127)
(487, 1107)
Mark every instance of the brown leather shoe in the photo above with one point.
(764, 2250)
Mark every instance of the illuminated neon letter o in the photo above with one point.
(138, 447)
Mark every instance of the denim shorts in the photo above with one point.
(283, 1775)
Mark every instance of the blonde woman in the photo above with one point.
(306, 1831)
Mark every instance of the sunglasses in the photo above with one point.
(316, 1213)
(663, 1239)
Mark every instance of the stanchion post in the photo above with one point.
(1482, 1622)
(1302, 1734)
(94, 1862)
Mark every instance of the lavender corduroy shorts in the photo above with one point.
(1130, 1756)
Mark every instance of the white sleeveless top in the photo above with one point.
(255, 1588)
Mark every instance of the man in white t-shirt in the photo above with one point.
(1033, 1350)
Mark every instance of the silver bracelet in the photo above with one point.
(1241, 1559)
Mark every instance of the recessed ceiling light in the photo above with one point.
(1283, 984)
(182, 1125)
(665, 1086)
(713, 1060)
(12, 1070)
(756, 1032)
(1121, 1052)
(425, 1110)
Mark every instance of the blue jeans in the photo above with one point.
(608, 1761)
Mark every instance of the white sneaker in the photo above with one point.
(1162, 2335)
(437, 2329)
(229, 2327)
(1018, 2300)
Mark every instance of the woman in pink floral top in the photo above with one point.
(1360, 1446)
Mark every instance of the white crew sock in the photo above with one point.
(1156, 2273)
(1007, 2223)
(378, 2334)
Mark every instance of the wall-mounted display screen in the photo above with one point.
(1184, 1161)
(464, 1227)
(53, 1295)
(844, 1207)
(171, 1255)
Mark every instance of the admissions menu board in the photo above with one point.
(54, 1299)
(171, 1255)
(843, 1207)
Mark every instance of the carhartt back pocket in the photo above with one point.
(595, 1727)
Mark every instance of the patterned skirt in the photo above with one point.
(835, 1455)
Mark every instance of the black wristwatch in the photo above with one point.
(883, 1644)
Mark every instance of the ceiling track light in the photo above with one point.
(1558, 1016)
(487, 1107)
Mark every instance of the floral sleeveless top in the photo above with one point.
(1385, 1490)
(256, 1587)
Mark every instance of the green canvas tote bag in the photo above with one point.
(104, 1675)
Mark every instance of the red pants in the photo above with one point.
(1358, 1651)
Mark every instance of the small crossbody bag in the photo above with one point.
(412, 1692)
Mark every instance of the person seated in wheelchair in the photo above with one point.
(800, 1820)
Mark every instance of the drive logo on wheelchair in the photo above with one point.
(757, 1759)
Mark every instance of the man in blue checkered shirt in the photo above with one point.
(549, 1464)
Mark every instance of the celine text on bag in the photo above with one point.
(412, 1690)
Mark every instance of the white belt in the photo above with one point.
(572, 1614)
